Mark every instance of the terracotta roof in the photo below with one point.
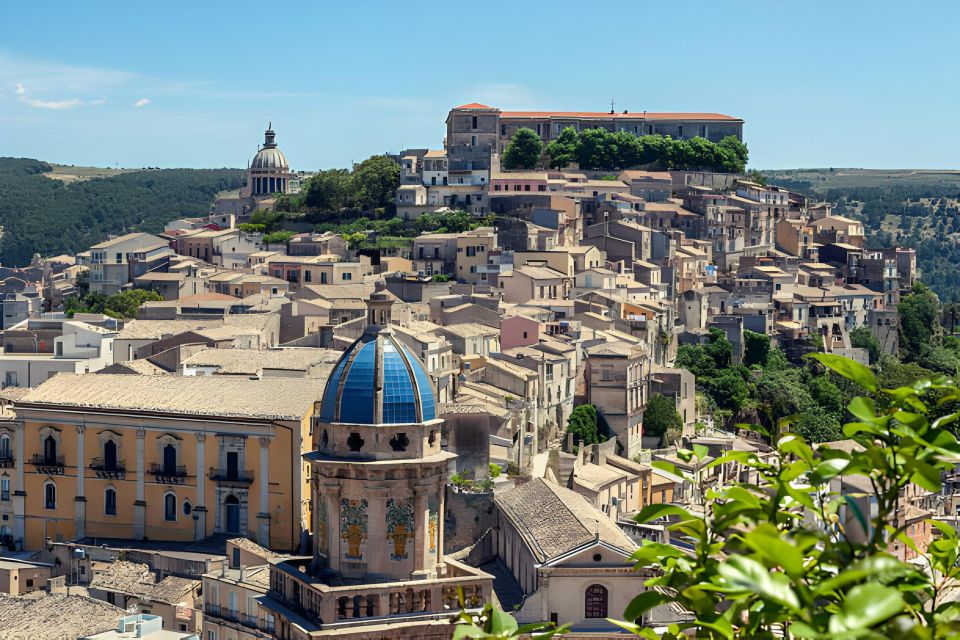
(474, 105)
(603, 115)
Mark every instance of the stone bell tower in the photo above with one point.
(378, 472)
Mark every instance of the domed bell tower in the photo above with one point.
(378, 472)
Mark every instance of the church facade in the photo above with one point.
(377, 494)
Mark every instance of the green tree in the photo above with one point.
(563, 149)
(756, 348)
(815, 426)
(329, 191)
(918, 322)
(375, 182)
(121, 305)
(594, 149)
(269, 221)
(659, 416)
(523, 151)
(583, 424)
(735, 154)
(730, 389)
(863, 338)
(277, 237)
(355, 239)
(456, 221)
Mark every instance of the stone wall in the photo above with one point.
(468, 517)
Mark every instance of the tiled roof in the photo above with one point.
(251, 361)
(224, 396)
(48, 616)
(136, 579)
(553, 520)
(603, 115)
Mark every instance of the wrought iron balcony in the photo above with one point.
(48, 464)
(166, 474)
(231, 475)
(7, 460)
(116, 470)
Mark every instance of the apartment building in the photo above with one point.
(115, 263)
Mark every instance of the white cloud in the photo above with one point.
(142, 102)
(21, 92)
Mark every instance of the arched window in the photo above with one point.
(50, 450)
(110, 502)
(110, 455)
(170, 507)
(50, 496)
(5, 451)
(595, 602)
(169, 459)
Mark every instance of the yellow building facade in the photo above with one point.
(162, 458)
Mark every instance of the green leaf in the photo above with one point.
(945, 529)
(848, 368)
(828, 469)
(501, 623)
(863, 409)
(721, 625)
(870, 568)
(866, 605)
(654, 511)
(700, 451)
(468, 631)
(643, 602)
(765, 540)
(746, 574)
(656, 552)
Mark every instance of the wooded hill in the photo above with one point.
(39, 214)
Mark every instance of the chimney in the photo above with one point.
(595, 453)
(243, 573)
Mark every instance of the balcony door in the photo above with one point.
(233, 465)
(50, 450)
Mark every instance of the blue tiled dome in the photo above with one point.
(378, 362)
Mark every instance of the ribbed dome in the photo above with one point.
(378, 381)
(269, 157)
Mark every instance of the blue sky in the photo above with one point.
(194, 83)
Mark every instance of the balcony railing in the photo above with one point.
(48, 464)
(7, 460)
(116, 470)
(165, 474)
(231, 475)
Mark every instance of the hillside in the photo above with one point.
(911, 208)
(81, 206)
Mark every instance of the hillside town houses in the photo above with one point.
(296, 440)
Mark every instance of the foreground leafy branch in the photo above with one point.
(804, 550)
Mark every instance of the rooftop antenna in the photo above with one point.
(612, 103)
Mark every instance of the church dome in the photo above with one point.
(378, 380)
(270, 156)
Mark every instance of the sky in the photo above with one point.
(194, 84)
